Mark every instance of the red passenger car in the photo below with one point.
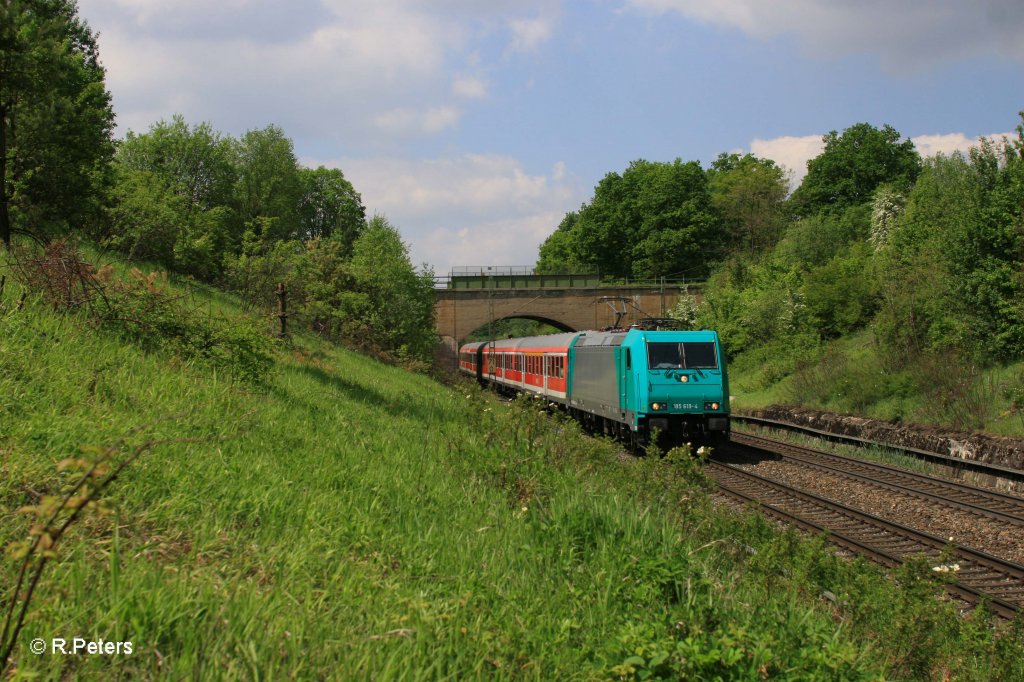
(535, 363)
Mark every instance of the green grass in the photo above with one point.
(346, 519)
(873, 453)
(847, 376)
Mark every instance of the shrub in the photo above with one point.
(957, 393)
(142, 309)
(58, 274)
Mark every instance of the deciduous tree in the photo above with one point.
(269, 188)
(330, 207)
(853, 165)
(398, 315)
(56, 120)
(749, 193)
(654, 220)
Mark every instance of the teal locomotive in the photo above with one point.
(631, 384)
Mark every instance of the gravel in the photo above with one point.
(960, 527)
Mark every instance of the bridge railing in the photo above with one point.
(553, 281)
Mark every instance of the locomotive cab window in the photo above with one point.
(685, 355)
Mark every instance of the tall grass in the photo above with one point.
(344, 519)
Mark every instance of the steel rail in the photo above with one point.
(981, 575)
(949, 460)
(952, 494)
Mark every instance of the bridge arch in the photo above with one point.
(460, 311)
(560, 326)
(501, 330)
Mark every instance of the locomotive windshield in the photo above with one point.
(685, 355)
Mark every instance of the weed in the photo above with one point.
(58, 274)
(142, 309)
(51, 517)
(370, 523)
(957, 393)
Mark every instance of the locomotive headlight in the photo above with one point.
(684, 378)
(711, 406)
(657, 406)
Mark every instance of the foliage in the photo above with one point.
(330, 207)
(809, 242)
(195, 163)
(955, 256)
(841, 295)
(686, 310)
(56, 120)
(749, 194)
(365, 518)
(205, 204)
(147, 217)
(328, 290)
(751, 304)
(141, 309)
(173, 198)
(886, 209)
(557, 253)
(654, 220)
(269, 188)
(144, 311)
(263, 264)
(853, 165)
(395, 311)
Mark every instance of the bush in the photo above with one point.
(841, 295)
(58, 274)
(263, 264)
(143, 310)
(956, 392)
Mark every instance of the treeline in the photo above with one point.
(239, 213)
(193, 200)
(245, 214)
(885, 282)
(672, 220)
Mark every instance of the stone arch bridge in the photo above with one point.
(563, 302)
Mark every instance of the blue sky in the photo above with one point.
(475, 125)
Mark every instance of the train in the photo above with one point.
(637, 385)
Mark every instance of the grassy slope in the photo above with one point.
(352, 520)
(850, 379)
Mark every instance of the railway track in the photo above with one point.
(977, 575)
(985, 469)
(955, 495)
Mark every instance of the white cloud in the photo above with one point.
(337, 70)
(512, 241)
(470, 87)
(528, 34)
(930, 145)
(470, 209)
(793, 153)
(412, 122)
(904, 34)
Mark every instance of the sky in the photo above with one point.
(475, 125)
